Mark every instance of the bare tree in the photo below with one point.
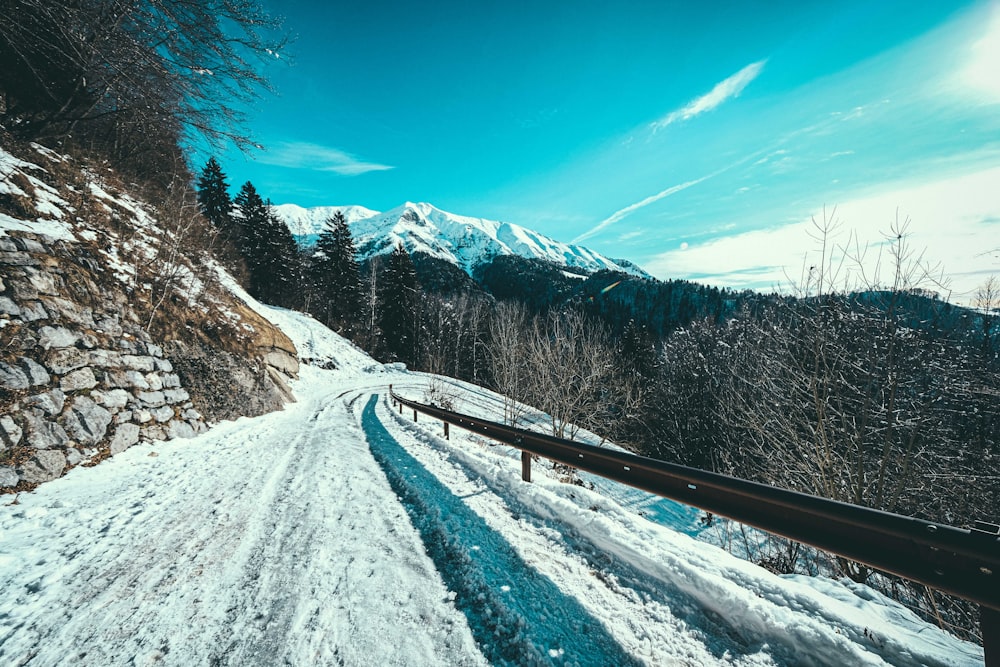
(988, 302)
(573, 372)
(508, 354)
(133, 72)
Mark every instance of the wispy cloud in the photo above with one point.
(314, 157)
(980, 71)
(949, 218)
(621, 213)
(722, 91)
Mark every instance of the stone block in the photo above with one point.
(282, 361)
(164, 366)
(43, 433)
(130, 379)
(42, 281)
(73, 456)
(138, 363)
(45, 465)
(154, 432)
(170, 381)
(79, 379)
(13, 378)
(29, 245)
(113, 399)
(176, 395)
(154, 350)
(32, 311)
(64, 360)
(18, 259)
(8, 477)
(125, 436)
(10, 432)
(180, 429)
(152, 399)
(104, 358)
(70, 312)
(8, 307)
(51, 402)
(162, 415)
(110, 326)
(86, 421)
(142, 416)
(22, 290)
(37, 375)
(192, 414)
(154, 381)
(53, 337)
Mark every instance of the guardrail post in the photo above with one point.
(526, 466)
(414, 415)
(446, 435)
(989, 626)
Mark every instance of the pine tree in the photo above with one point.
(252, 213)
(335, 275)
(268, 249)
(213, 196)
(282, 263)
(398, 307)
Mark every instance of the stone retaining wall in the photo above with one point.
(79, 377)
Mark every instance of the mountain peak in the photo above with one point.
(464, 241)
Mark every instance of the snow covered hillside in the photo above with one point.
(340, 532)
(461, 240)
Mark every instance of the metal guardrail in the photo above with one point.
(965, 563)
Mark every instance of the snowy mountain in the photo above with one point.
(464, 241)
(309, 222)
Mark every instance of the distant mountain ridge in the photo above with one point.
(465, 241)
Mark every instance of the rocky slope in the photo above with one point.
(114, 327)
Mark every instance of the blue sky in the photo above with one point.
(696, 139)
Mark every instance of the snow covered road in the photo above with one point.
(338, 532)
(265, 542)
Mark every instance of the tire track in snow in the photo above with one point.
(518, 616)
(269, 541)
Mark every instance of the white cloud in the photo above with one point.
(631, 208)
(957, 221)
(304, 155)
(980, 72)
(722, 91)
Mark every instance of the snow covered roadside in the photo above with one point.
(275, 540)
(660, 589)
(339, 532)
(668, 597)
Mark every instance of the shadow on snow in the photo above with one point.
(517, 615)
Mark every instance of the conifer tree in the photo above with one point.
(398, 307)
(253, 215)
(213, 197)
(335, 275)
(268, 249)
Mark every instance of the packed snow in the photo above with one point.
(341, 532)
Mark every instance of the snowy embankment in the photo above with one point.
(339, 532)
